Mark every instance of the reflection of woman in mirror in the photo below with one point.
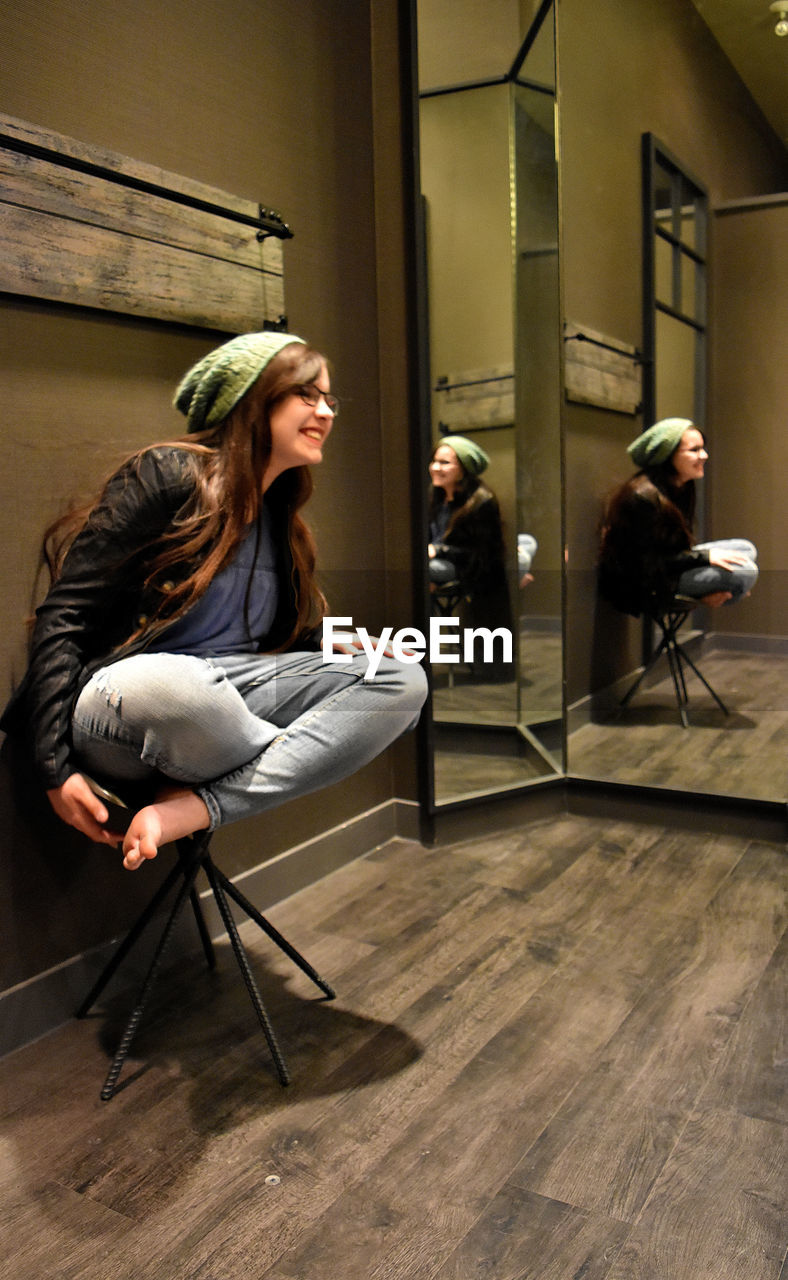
(648, 553)
(466, 533)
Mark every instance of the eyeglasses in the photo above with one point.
(312, 395)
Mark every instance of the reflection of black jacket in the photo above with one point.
(473, 542)
(99, 601)
(645, 548)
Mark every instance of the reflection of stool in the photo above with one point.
(669, 622)
(447, 596)
(193, 856)
(446, 599)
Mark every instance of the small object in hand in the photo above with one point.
(119, 814)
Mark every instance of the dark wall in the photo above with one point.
(296, 106)
(654, 69)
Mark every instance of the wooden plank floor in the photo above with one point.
(557, 1053)
(743, 753)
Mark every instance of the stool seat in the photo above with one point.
(446, 597)
(194, 857)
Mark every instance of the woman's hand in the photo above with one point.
(76, 804)
(727, 559)
(352, 644)
(356, 646)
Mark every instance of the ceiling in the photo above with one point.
(744, 29)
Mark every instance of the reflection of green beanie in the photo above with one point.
(216, 383)
(471, 455)
(658, 443)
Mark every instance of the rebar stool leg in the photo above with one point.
(657, 654)
(679, 687)
(128, 942)
(273, 933)
(705, 682)
(189, 874)
(670, 624)
(683, 656)
(202, 929)
(246, 972)
(677, 620)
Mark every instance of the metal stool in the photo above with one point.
(194, 856)
(669, 621)
(447, 596)
(446, 599)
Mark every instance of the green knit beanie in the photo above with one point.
(216, 383)
(470, 454)
(659, 442)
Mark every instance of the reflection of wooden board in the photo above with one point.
(83, 225)
(477, 398)
(601, 371)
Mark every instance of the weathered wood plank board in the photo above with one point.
(86, 226)
(476, 398)
(600, 370)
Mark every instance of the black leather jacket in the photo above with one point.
(645, 551)
(473, 542)
(99, 602)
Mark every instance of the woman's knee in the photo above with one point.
(744, 579)
(405, 681)
(154, 688)
(182, 713)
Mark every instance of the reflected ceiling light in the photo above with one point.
(780, 7)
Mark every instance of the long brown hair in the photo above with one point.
(675, 503)
(230, 460)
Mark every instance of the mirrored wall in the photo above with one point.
(495, 363)
(492, 492)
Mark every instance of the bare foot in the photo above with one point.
(173, 814)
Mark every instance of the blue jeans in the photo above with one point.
(247, 731)
(706, 578)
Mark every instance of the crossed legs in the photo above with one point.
(221, 739)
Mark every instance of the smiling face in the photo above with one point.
(690, 458)
(299, 429)
(446, 470)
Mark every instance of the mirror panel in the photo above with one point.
(538, 417)
(465, 52)
(489, 182)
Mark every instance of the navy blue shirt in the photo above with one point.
(237, 610)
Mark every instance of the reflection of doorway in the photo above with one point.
(675, 235)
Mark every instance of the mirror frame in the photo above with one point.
(423, 444)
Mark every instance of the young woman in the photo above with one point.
(648, 552)
(466, 538)
(177, 651)
(466, 533)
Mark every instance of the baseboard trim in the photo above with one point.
(738, 816)
(42, 1003)
(742, 643)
